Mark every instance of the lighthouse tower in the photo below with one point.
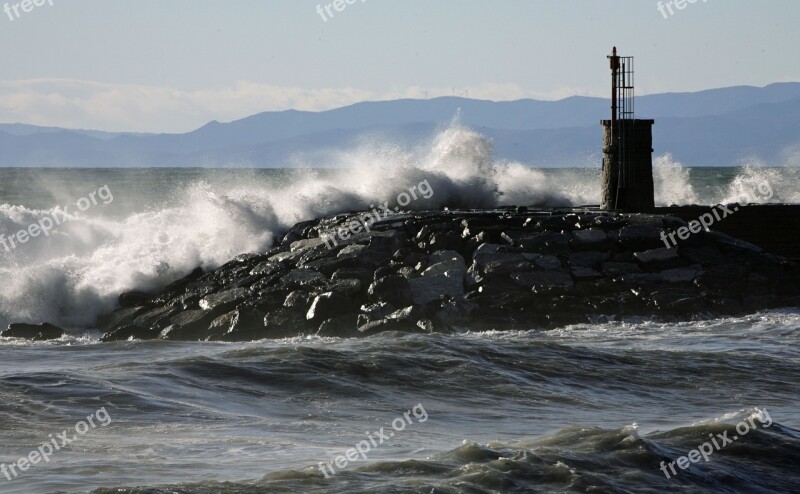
(627, 175)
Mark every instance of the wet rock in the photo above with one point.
(377, 311)
(286, 257)
(283, 323)
(616, 269)
(445, 256)
(590, 240)
(157, 317)
(722, 277)
(705, 256)
(634, 280)
(407, 272)
(723, 304)
(415, 258)
(487, 248)
(681, 275)
(351, 250)
(364, 275)
(511, 263)
(222, 324)
(326, 306)
(426, 231)
(445, 241)
(395, 290)
(454, 314)
(131, 331)
(624, 256)
(175, 288)
(119, 318)
(405, 319)
(543, 280)
(222, 300)
(384, 271)
(547, 263)
(339, 327)
(297, 299)
(585, 274)
(442, 267)
(34, 332)
(306, 244)
(495, 286)
(755, 303)
(640, 237)
(544, 243)
(429, 288)
(267, 268)
(303, 277)
(588, 259)
(134, 299)
(347, 287)
(658, 259)
(246, 324)
(678, 302)
(483, 259)
(190, 325)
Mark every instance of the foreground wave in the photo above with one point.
(189, 417)
(574, 460)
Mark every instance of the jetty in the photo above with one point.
(503, 268)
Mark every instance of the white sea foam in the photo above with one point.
(672, 182)
(77, 273)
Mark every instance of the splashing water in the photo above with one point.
(76, 273)
(672, 184)
(757, 184)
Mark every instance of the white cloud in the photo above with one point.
(130, 108)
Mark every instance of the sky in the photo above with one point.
(174, 65)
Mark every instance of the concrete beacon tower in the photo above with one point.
(627, 176)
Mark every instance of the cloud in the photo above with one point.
(131, 108)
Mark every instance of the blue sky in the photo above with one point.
(173, 65)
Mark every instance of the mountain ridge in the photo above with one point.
(711, 127)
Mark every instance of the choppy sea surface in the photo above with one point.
(586, 408)
(590, 408)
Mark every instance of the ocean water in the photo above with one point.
(586, 408)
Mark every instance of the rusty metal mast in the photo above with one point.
(627, 145)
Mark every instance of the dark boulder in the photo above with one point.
(134, 299)
(35, 332)
(328, 305)
(392, 289)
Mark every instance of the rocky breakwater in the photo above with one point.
(447, 271)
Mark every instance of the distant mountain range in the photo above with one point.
(717, 127)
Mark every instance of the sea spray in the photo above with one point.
(672, 182)
(72, 277)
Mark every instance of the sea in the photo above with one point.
(640, 406)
